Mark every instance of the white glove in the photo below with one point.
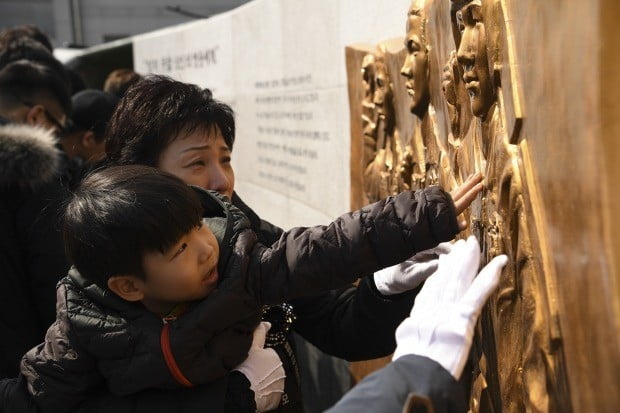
(441, 324)
(263, 369)
(410, 273)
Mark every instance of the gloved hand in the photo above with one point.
(263, 369)
(441, 324)
(410, 273)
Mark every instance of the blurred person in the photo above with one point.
(34, 104)
(31, 31)
(91, 111)
(119, 80)
(34, 93)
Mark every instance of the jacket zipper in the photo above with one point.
(169, 357)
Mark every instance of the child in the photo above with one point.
(142, 255)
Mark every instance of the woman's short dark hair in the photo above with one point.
(154, 111)
(120, 213)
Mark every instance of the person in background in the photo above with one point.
(10, 34)
(119, 80)
(34, 105)
(36, 39)
(83, 138)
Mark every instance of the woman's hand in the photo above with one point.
(464, 195)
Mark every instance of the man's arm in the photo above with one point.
(423, 380)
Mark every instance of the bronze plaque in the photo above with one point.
(522, 91)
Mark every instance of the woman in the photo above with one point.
(181, 129)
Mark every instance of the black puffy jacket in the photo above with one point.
(32, 258)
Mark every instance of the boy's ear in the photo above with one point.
(128, 287)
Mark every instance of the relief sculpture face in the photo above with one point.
(415, 68)
(369, 121)
(378, 122)
(472, 56)
(448, 87)
(384, 96)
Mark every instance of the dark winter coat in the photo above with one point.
(99, 336)
(410, 384)
(32, 258)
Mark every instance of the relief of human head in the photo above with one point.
(449, 88)
(369, 120)
(416, 67)
(384, 95)
(472, 55)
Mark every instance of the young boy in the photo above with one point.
(142, 255)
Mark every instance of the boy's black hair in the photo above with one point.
(154, 111)
(26, 81)
(120, 213)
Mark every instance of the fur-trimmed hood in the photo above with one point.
(28, 156)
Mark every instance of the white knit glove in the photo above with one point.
(441, 324)
(410, 273)
(263, 369)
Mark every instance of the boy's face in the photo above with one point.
(185, 272)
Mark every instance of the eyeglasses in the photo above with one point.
(60, 128)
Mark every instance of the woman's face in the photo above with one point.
(200, 158)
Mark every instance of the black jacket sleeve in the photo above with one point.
(407, 382)
(355, 323)
(305, 261)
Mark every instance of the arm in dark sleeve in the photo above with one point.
(305, 261)
(409, 381)
(355, 323)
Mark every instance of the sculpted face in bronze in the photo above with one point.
(448, 87)
(384, 95)
(415, 68)
(369, 121)
(472, 56)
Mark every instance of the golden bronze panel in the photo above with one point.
(496, 86)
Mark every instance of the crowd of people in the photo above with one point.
(136, 279)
